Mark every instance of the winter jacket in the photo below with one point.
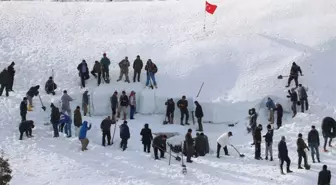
(11, 71)
(293, 96)
(23, 107)
(182, 104)
(137, 64)
(114, 101)
(170, 106)
(66, 101)
(282, 148)
(146, 134)
(257, 134)
(106, 125)
(4, 77)
(159, 142)
(207, 147)
(65, 118)
(189, 140)
(85, 98)
(302, 93)
(77, 118)
(270, 104)
(83, 130)
(313, 137)
(55, 115)
(124, 101)
(279, 110)
(124, 131)
(132, 100)
(253, 120)
(80, 68)
(26, 125)
(151, 68)
(301, 145)
(199, 111)
(295, 70)
(124, 64)
(105, 62)
(200, 144)
(33, 91)
(50, 85)
(269, 137)
(97, 68)
(223, 140)
(324, 177)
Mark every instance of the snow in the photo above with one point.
(245, 46)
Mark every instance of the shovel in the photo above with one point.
(177, 158)
(281, 77)
(240, 155)
(43, 107)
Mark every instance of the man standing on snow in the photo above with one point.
(324, 176)
(170, 110)
(124, 135)
(11, 72)
(147, 138)
(105, 127)
(66, 120)
(124, 102)
(86, 102)
(151, 70)
(159, 143)
(257, 154)
(83, 72)
(301, 147)
(271, 106)
(199, 115)
(77, 120)
(55, 119)
(283, 155)
(33, 91)
(114, 104)
(82, 135)
(223, 141)
(132, 102)
(97, 68)
(137, 66)
(66, 99)
(189, 145)
(253, 122)
(4, 82)
(124, 65)
(279, 110)
(269, 141)
(294, 98)
(200, 145)
(294, 74)
(23, 109)
(182, 104)
(303, 97)
(50, 86)
(314, 143)
(105, 64)
(26, 127)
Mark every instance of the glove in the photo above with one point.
(288, 91)
(288, 96)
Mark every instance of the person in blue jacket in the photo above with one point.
(82, 135)
(124, 135)
(271, 107)
(65, 119)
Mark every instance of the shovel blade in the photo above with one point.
(178, 158)
(280, 77)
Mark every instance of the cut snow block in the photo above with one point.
(146, 101)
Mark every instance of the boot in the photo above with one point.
(281, 170)
(271, 159)
(300, 167)
(318, 160)
(266, 158)
(288, 170)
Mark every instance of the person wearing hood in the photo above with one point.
(223, 141)
(170, 110)
(199, 115)
(283, 155)
(124, 135)
(86, 102)
(97, 68)
(301, 147)
(105, 127)
(66, 120)
(303, 97)
(66, 99)
(55, 118)
(124, 65)
(137, 66)
(26, 127)
(82, 135)
(269, 141)
(4, 82)
(159, 144)
(132, 102)
(294, 74)
(11, 72)
(114, 104)
(83, 72)
(50, 86)
(324, 176)
(151, 69)
(105, 64)
(294, 98)
(201, 145)
(279, 110)
(23, 109)
(77, 120)
(270, 106)
(257, 154)
(147, 138)
(33, 91)
(124, 102)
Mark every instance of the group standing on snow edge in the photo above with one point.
(101, 69)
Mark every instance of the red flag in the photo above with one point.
(210, 8)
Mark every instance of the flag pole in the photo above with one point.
(204, 17)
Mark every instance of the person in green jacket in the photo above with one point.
(105, 63)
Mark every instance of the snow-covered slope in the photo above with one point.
(245, 46)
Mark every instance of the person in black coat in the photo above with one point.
(269, 142)
(257, 136)
(182, 104)
(83, 72)
(105, 127)
(147, 138)
(283, 155)
(55, 118)
(294, 98)
(170, 110)
(11, 72)
(4, 82)
(137, 66)
(124, 135)
(294, 74)
(159, 144)
(301, 147)
(50, 86)
(26, 127)
(314, 143)
(279, 110)
(33, 91)
(201, 145)
(23, 109)
(324, 176)
(199, 115)
(253, 122)
(189, 145)
(114, 104)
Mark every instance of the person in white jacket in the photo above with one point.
(223, 141)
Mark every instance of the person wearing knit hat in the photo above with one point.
(189, 145)
(33, 91)
(23, 109)
(124, 135)
(301, 149)
(50, 86)
(123, 105)
(137, 66)
(114, 104)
